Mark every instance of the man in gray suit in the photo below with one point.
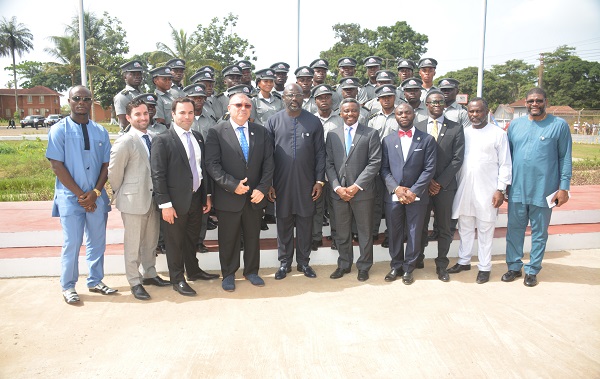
(129, 176)
(353, 162)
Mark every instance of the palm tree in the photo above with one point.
(66, 51)
(14, 38)
(184, 48)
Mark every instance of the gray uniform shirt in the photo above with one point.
(177, 91)
(163, 106)
(123, 98)
(262, 109)
(384, 124)
(457, 113)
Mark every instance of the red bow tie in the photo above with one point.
(402, 134)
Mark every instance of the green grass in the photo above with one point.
(25, 173)
(586, 151)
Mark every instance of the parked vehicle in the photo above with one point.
(51, 120)
(32, 120)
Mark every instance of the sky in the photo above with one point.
(516, 29)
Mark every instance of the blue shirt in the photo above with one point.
(65, 144)
(541, 159)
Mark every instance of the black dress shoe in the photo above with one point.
(282, 272)
(420, 264)
(211, 224)
(408, 278)
(363, 275)
(354, 237)
(482, 277)
(184, 289)
(201, 248)
(530, 280)
(333, 245)
(270, 219)
(339, 272)
(443, 274)
(458, 268)
(308, 271)
(263, 225)
(156, 281)
(433, 235)
(511, 275)
(103, 289)
(202, 275)
(139, 292)
(314, 246)
(393, 274)
(385, 243)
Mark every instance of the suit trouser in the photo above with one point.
(379, 208)
(519, 215)
(203, 228)
(404, 219)
(181, 238)
(443, 218)
(73, 227)
(139, 244)
(347, 211)
(285, 239)
(231, 226)
(485, 236)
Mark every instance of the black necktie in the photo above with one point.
(148, 143)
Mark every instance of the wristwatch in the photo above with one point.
(98, 193)
(321, 183)
(503, 192)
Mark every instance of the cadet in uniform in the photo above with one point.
(177, 67)
(427, 68)
(323, 97)
(246, 67)
(383, 77)
(304, 78)
(232, 76)
(281, 75)
(207, 79)
(373, 65)
(161, 76)
(346, 69)
(265, 104)
(349, 88)
(132, 74)
(453, 111)
(412, 93)
(406, 69)
(320, 67)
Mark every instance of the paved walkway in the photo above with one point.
(301, 327)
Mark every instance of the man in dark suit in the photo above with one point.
(353, 162)
(407, 166)
(239, 156)
(181, 190)
(450, 139)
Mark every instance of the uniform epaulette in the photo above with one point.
(220, 95)
(125, 92)
(365, 108)
(214, 118)
(276, 94)
(372, 116)
(226, 116)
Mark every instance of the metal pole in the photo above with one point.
(481, 64)
(298, 40)
(82, 45)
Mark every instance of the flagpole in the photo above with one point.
(481, 64)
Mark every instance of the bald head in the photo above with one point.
(405, 115)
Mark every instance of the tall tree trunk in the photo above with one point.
(16, 85)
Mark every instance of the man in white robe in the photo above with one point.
(482, 182)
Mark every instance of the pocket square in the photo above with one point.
(418, 149)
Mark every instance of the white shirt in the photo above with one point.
(237, 132)
(141, 135)
(181, 133)
(406, 142)
(267, 99)
(440, 122)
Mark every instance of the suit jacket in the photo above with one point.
(359, 167)
(227, 166)
(129, 174)
(450, 152)
(171, 172)
(418, 169)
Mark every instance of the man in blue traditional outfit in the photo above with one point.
(79, 151)
(540, 146)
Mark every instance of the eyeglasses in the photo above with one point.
(536, 101)
(296, 96)
(240, 105)
(436, 102)
(79, 98)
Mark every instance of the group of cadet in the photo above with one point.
(304, 155)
